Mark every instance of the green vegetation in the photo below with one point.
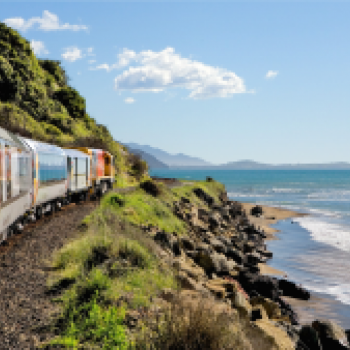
(114, 267)
(36, 101)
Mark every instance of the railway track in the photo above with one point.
(25, 307)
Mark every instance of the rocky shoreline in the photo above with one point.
(224, 256)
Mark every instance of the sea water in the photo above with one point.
(313, 250)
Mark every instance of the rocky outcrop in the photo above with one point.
(220, 257)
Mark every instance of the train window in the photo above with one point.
(8, 191)
(52, 167)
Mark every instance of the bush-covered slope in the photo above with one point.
(36, 101)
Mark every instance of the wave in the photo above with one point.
(341, 291)
(335, 235)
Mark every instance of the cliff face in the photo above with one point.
(37, 101)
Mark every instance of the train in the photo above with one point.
(37, 177)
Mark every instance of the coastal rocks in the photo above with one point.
(214, 263)
(308, 338)
(331, 335)
(256, 211)
(291, 289)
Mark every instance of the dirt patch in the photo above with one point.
(25, 306)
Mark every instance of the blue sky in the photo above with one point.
(221, 81)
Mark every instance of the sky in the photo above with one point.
(223, 81)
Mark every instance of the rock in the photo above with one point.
(309, 338)
(253, 258)
(187, 243)
(291, 289)
(256, 211)
(272, 309)
(214, 263)
(167, 294)
(204, 196)
(218, 245)
(264, 335)
(218, 290)
(240, 302)
(265, 285)
(236, 255)
(214, 219)
(186, 282)
(249, 247)
(190, 268)
(131, 318)
(331, 335)
(258, 313)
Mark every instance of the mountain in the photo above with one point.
(251, 165)
(152, 161)
(172, 160)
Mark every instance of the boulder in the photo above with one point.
(214, 263)
(187, 243)
(331, 335)
(218, 245)
(291, 289)
(257, 210)
(264, 285)
(235, 255)
(271, 308)
(308, 337)
(258, 313)
(186, 282)
(214, 220)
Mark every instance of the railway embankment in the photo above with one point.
(160, 267)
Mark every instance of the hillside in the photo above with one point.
(172, 160)
(36, 101)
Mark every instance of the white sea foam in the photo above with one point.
(341, 291)
(333, 234)
(248, 195)
(286, 190)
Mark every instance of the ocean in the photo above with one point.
(313, 250)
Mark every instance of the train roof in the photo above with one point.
(38, 146)
(12, 139)
(75, 153)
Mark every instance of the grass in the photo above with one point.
(111, 262)
(114, 266)
(192, 325)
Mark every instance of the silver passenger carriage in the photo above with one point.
(79, 174)
(15, 182)
(49, 176)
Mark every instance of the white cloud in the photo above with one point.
(48, 21)
(129, 100)
(72, 54)
(90, 51)
(271, 74)
(38, 47)
(157, 71)
(92, 61)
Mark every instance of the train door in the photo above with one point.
(8, 193)
(69, 171)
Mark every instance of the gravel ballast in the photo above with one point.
(25, 308)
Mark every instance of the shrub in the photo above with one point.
(151, 187)
(194, 325)
(90, 323)
(138, 166)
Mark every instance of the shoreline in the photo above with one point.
(271, 215)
